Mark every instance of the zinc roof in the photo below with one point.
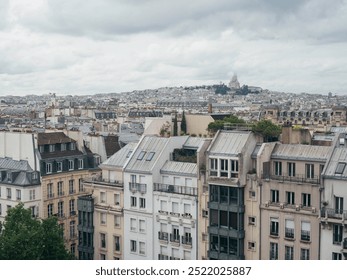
(179, 168)
(229, 143)
(9, 163)
(193, 143)
(120, 158)
(300, 152)
(339, 156)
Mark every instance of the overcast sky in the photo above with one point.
(93, 46)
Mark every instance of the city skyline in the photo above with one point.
(70, 47)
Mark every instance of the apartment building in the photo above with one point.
(228, 162)
(289, 200)
(176, 203)
(19, 183)
(107, 192)
(63, 167)
(333, 243)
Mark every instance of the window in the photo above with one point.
(224, 168)
(133, 201)
(278, 168)
(133, 224)
(274, 226)
(71, 164)
(102, 257)
(251, 246)
(141, 155)
(80, 185)
(274, 196)
(49, 210)
(305, 231)
(103, 218)
(116, 221)
(340, 168)
(9, 193)
(61, 209)
(73, 249)
(289, 253)
(72, 229)
(309, 171)
(234, 166)
(18, 195)
(48, 168)
(72, 146)
(50, 190)
(337, 234)
(142, 202)
(337, 257)
(175, 207)
(142, 248)
(59, 166)
(150, 156)
(304, 254)
(116, 199)
(306, 200)
(129, 154)
(142, 226)
(291, 169)
(213, 167)
(290, 196)
(71, 186)
(42, 148)
(186, 208)
(32, 195)
(102, 240)
(72, 207)
(251, 221)
(51, 148)
(0, 210)
(60, 188)
(63, 147)
(33, 211)
(116, 242)
(289, 229)
(273, 251)
(338, 205)
(102, 197)
(80, 163)
(133, 246)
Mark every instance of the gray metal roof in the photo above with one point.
(229, 143)
(339, 155)
(9, 163)
(120, 158)
(255, 151)
(301, 152)
(180, 168)
(193, 143)
(148, 144)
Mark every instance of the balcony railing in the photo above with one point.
(175, 238)
(186, 240)
(334, 213)
(344, 243)
(137, 187)
(298, 178)
(50, 195)
(163, 236)
(99, 180)
(175, 189)
(162, 257)
(305, 235)
(289, 232)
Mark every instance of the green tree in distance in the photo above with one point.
(25, 238)
(184, 123)
(219, 124)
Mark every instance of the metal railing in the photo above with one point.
(289, 232)
(187, 240)
(334, 213)
(175, 189)
(137, 187)
(163, 236)
(305, 235)
(298, 178)
(175, 238)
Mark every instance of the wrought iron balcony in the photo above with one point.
(175, 189)
(334, 213)
(289, 232)
(163, 236)
(298, 178)
(175, 238)
(137, 187)
(187, 240)
(305, 235)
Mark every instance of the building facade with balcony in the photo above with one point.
(63, 167)
(228, 161)
(107, 191)
(290, 184)
(141, 171)
(333, 212)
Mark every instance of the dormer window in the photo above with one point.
(63, 147)
(42, 148)
(9, 177)
(72, 146)
(34, 176)
(51, 148)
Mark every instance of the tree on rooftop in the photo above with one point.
(184, 123)
(219, 124)
(25, 238)
(175, 127)
(268, 130)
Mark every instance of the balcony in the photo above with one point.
(187, 240)
(298, 178)
(137, 187)
(50, 195)
(175, 238)
(100, 181)
(164, 236)
(289, 233)
(61, 193)
(330, 213)
(175, 189)
(344, 244)
(162, 257)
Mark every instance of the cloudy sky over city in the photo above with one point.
(93, 46)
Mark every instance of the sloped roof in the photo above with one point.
(229, 143)
(120, 158)
(111, 144)
(339, 156)
(9, 163)
(53, 138)
(301, 152)
(179, 168)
